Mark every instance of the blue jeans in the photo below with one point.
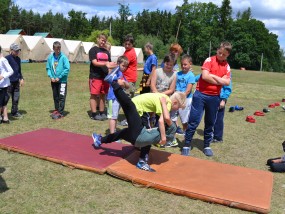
(200, 103)
(219, 125)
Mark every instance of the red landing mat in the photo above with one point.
(233, 186)
(70, 149)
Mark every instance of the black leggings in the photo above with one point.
(135, 124)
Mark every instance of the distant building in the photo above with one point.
(43, 34)
(16, 32)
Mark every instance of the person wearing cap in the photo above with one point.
(58, 68)
(16, 79)
(5, 72)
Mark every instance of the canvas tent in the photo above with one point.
(50, 42)
(139, 54)
(38, 50)
(6, 40)
(86, 47)
(75, 49)
(116, 51)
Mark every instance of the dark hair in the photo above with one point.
(122, 59)
(169, 58)
(129, 38)
(186, 57)
(149, 46)
(227, 46)
(56, 44)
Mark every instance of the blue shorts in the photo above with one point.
(113, 109)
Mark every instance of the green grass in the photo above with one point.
(38, 186)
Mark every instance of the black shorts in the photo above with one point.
(4, 97)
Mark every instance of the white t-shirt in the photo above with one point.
(6, 71)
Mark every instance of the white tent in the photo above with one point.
(6, 40)
(116, 51)
(38, 50)
(75, 49)
(139, 54)
(86, 47)
(50, 42)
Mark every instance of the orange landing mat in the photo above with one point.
(233, 186)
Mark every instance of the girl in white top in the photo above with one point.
(5, 72)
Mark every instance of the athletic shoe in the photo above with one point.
(123, 123)
(144, 166)
(283, 100)
(159, 146)
(232, 109)
(17, 115)
(259, 113)
(57, 116)
(5, 121)
(238, 108)
(283, 107)
(277, 104)
(272, 105)
(250, 119)
(97, 140)
(186, 151)
(180, 131)
(171, 143)
(266, 110)
(103, 117)
(208, 151)
(54, 112)
(96, 117)
(217, 141)
(112, 76)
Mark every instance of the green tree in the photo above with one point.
(78, 24)
(225, 18)
(5, 15)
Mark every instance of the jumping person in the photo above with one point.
(58, 68)
(136, 133)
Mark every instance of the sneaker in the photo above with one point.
(186, 151)
(97, 140)
(112, 76)
(250, 119)
(144, 166)
(53, 113)
(272, 105)
(238, 108)
(259, 113)
(266, 110)
(277, 104)
(17, 115)
(159, 146)
(217, 141)
(180, 131)
(123, 123)
(208, 151)
(283, 107)
(5, 121)
(232, 109)
(103, 116)
(171, 143)
(96, 117)
(57, 116)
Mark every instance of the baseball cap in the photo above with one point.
(15, 47)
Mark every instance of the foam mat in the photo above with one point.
(225, 184)
(67, 148)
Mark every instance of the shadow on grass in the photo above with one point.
(200, 132)
(22, 112)
(3, 185)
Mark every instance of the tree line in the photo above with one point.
(197, 27)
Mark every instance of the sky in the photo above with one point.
(271, 12)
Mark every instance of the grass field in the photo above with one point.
(37, 186)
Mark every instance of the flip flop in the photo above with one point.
(238, 108)
(266, 110)
(272, 105)
(250, 119)
(259, 113)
